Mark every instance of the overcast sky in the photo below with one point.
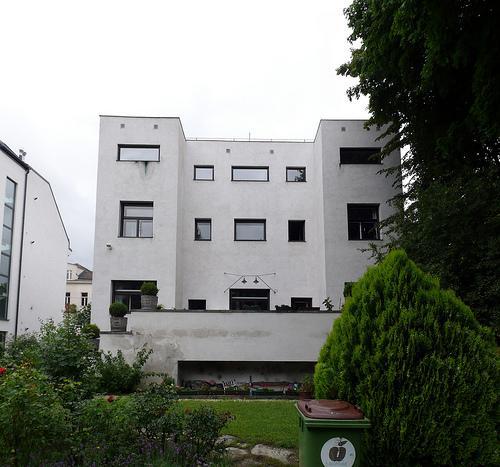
(226, 68)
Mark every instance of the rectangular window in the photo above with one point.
(295, 174)
(67, 298)
(360, 156)
(197, 304)
(301, 303)
(250, 230)
(6, 248)
(137, 219)
(249, 299)
(85, 299)
(296, 231)
(250, 174)
(203, 229)
(128, 292)
(138, 152)
(69, 274)
(203, 172)
(363, 221)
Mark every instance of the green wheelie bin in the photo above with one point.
(331, 433)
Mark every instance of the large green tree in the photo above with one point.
(431, 70)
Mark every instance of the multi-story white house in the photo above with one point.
(78, 285)
(229, 230)
(35, 248)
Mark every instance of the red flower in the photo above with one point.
(2, 370)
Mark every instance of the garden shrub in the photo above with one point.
(35, 428)
(416, 361)
(118, 309)
(116, 376)
(149, 288)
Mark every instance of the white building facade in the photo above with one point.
(34, 251)
(78, 286)
(230, 231)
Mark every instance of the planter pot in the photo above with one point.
(118, 323)
(149, 302)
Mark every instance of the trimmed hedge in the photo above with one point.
(417, 362)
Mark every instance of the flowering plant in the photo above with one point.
(2, 370)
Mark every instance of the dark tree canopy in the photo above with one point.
(431, 70)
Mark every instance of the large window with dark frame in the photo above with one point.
(360, 156)
(6, 251)
(203, 229)
(138, 153)
(295, 174)
(249, 174)
(363, 221)
(252, 230)
(136, 219)
(128, 292)
(197, 304)
(296, 231)
(249, 299)
(301, 303)
(204, 172)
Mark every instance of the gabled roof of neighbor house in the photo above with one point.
(86, 273)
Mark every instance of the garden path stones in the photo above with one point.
(227, 440)
(285, 456)
(236, 453)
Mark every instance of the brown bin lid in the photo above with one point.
(330, 409)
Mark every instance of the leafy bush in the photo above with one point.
(414, 358)
(35, 426)
(149, 288)
(24, 349)
(116, 376)
(91, 330)
(118, 309)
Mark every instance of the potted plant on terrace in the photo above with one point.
(118, 310)
(149, 296)
(93, 332)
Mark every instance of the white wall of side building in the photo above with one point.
(39, 251)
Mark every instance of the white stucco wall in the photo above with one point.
(222, 337)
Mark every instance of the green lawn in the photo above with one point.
(258, 421)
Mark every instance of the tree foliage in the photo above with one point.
(431, 71)
(417, 362)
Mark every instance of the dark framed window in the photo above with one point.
(296, 231)
(136, 219)
(252, 230)
(85, 299)
(360, 156)
(249, 299)
(362, 221)
(204, 172)
(67, 298)
(295, 174)
(250, 174)
(203, 229)
(197, 304)
(301, 303)
(138, 152)
(6, 246)
(128, 292)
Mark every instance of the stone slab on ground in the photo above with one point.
(284, 456)
(236, 453)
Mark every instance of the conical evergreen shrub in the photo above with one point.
(414, 358)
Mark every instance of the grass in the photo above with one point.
(268, 422)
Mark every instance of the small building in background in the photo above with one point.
(34, 248)
(78, 286)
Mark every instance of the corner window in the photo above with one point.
(296, 231)
(250, 174)
(137, 219)
(363, 221)
(295, 174)
(85, 299)
(250, 230)
(137, 152)
(128, 292)
(203, 172)
(6, 246)
(360, 156)
(203, 229)
(301, 303)
(197, 304)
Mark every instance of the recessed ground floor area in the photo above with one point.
(196, 374)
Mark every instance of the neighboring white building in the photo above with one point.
(237, 227)
(35, 248)
(78, 285)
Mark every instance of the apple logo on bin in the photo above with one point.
(338, 452)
